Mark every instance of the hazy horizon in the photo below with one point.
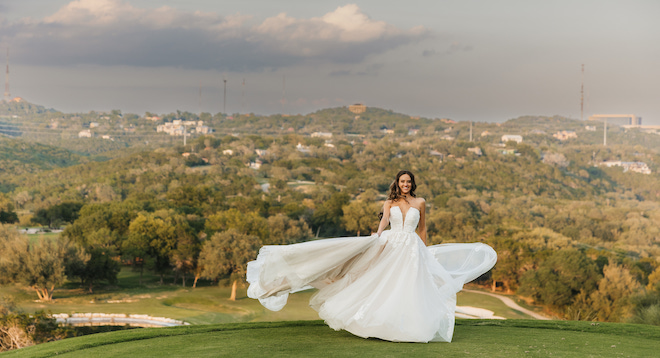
(464, 60)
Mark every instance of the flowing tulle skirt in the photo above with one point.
(391, 287)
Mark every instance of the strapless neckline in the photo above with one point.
(404, 216)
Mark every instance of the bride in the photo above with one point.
(389, 285)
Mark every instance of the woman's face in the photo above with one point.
(405, 183)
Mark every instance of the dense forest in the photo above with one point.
(579, 238)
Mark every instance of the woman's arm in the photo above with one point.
(421, 227)
(385, 220)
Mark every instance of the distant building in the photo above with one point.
(636, 167)
(413, 131)
(447, 137)
(620, 119)
(476, 150)
(507, 151)
(512, 137)
(255, 165)
(261, 152)
(85, 133)
(203, 129)
(357, 108)
(228, 152)
(153, 118)
(590, 128)
(565, 135)
(93, 124)
(321, 135)
(302, 148)
(178, 127)
(387, 131)
(485, 133)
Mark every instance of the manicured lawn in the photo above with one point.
(206, 304)
(474, 338)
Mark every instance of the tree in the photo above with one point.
(283, 230)
(155, 235)
(327, 216)
(57, 215)
(42, 265)
(360, 216)
(102, 264)
(612, 299)
(227, 254)
(248, 223)
(513, 257)
(559, 278)
(7, 213)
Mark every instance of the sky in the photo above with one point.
(476, 60)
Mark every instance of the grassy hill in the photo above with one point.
(475, 338)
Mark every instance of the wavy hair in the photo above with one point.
(395, 191)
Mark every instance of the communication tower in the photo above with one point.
(7, 94)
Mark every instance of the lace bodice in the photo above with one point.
(397, 220)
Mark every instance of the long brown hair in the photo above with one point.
(395, 191)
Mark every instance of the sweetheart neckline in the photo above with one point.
(406, 214)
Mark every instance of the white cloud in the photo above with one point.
(114, 32)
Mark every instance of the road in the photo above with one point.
(511, 304)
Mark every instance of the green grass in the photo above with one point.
(477, 338)
(206, 304)
(44, 235)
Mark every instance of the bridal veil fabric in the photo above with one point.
(391, 287)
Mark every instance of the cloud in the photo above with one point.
(115, 33)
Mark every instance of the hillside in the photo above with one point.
(18, 157)
(573, 235)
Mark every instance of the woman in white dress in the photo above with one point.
(389, 285)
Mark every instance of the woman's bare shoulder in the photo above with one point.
(420, 202)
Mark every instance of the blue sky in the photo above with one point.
(462, 59)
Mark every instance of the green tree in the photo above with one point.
(57, 215)
(226, 254)
(560, 278)
(360, 216)
(327, 217)
(42, 265)
(284, 230)
(248, 223)
(7, 213)
(156, 237)
(612, 299)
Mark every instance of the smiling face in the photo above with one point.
(405, 184)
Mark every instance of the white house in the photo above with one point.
(512, 137)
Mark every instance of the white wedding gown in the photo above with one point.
(392, 287)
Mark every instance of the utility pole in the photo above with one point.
(582, 96)
(185, 132)
(605, 132)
